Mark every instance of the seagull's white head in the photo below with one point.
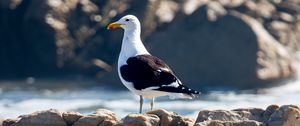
(128, 22)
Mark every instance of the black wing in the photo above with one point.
(147, 71)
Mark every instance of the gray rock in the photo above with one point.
(140, 120)
(236, 117)
(269, 111)
(101, 117)
(251, 114)
(71, 117)
(50, 117)
(221, 115)
(8, 122)
(286, 115)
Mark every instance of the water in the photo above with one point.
(23, 97)
(19, 100)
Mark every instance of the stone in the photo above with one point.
(236, 117)
(251, 58)
(71, 117)
(286, 115)
(50, 117)
(251, 113)
(140, 120)
(8, 122)
(228, 123)
(171, 118)
(215, 10)
(285, 33)
(74, 33)
(221, 115)
(269, 111)
(101, 117)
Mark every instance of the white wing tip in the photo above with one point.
(180, 96)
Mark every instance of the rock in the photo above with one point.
(236, 117)
(171, 118)
(71, 117)
(285, 33)
(251, 114)
(8, 122)
(215, 10)
(101, 117)
(50, 117)
(286, 115)
(222, 115)
(228, 123)
(1, 121)
(140, 120)
(252, 57)
(75, 36)
(269, 111)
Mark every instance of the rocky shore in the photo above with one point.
(273, 115)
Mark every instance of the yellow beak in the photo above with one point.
(113, 25)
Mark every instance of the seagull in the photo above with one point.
(142, 73)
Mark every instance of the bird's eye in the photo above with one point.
(126, 19)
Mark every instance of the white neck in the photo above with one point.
(132, 44)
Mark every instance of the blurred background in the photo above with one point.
(59, 54)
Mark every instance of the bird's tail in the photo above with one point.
(180, 92)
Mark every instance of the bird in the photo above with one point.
(142, 73)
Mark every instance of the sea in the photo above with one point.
(19, 97)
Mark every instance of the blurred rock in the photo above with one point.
(140, 120)
(8, 122)
(58, 38)
(252, 57)
(171, 118)
(101, 117)
(50, 117)
(71, 117)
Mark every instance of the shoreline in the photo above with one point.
(273, 115)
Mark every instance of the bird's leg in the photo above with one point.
(152, 103)
(141, 103)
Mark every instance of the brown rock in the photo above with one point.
(71, 117)
(171, 118)
(101, 117)
(286, 115)
(50, 117)
(140, 120)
